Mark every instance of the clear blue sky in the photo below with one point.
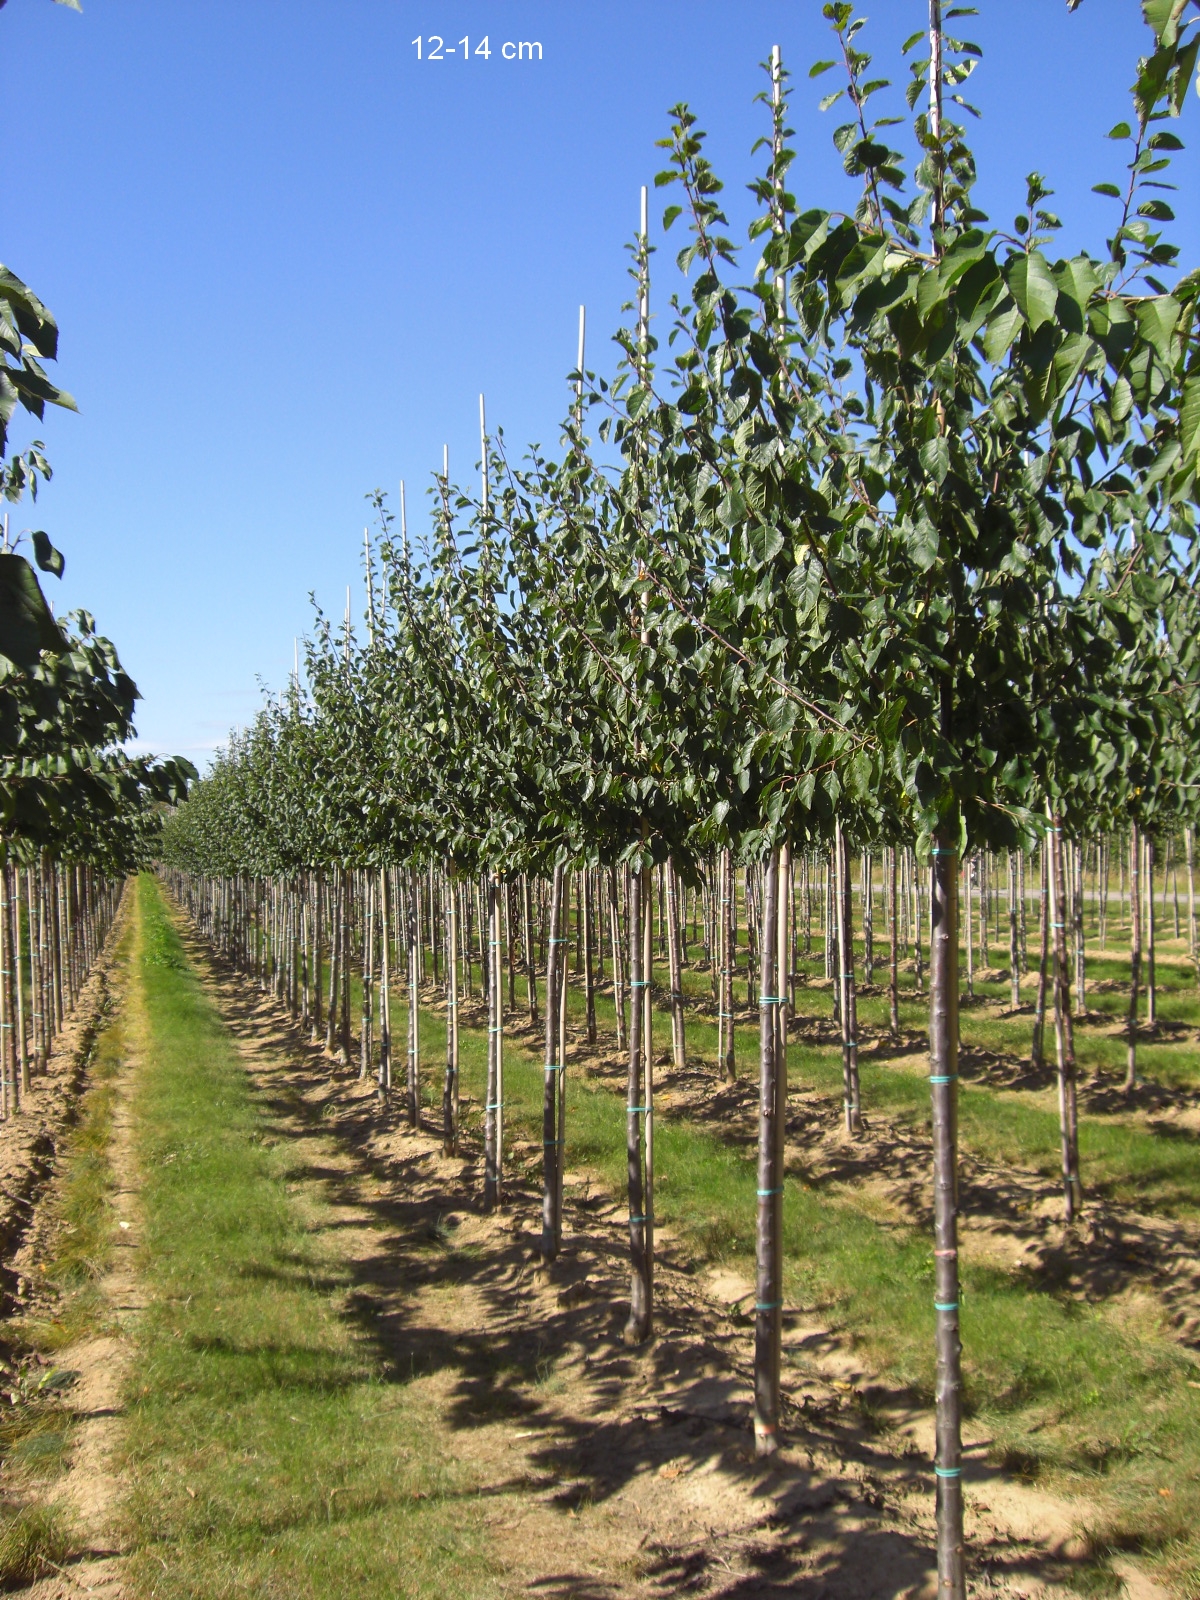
(286, 256)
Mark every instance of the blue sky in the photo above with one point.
(286, 256)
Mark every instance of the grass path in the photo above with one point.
(267, 1451)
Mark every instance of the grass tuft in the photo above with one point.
(33, 1542)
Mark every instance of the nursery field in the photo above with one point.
(665, 1057)
(291, 1352)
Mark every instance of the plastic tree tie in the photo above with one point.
(560, 1066)
(637, 1219)
(633, 1110)
(951, 1077)
(948, 1472)
(768, 1305)
(945, 1305)
(762, 1193)
(639, 983)
(772, 1000)
(495, 1107)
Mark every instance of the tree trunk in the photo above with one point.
(894, 957)
(555, 1067)
(1135, 954)
(852, 1097)
(943, 1080)
(1151, 986)
(493, 1148)
(772, 1101)
(1014, 943)
(385, 983)
(589, 956)
(450, 1087)
(675, 969)
(726, 1044)
(1037, 1054)
(638, 1327)
(1068, 1117)
(614, 918)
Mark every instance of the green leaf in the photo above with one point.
(818, 67)
(1156, 320)
(1163, 16)
(935, 458)
(1189, 417)
(46, 556)
(1001, 330)
(26, 625)
(1107, 188)
(1121, 131)
(1033, 288)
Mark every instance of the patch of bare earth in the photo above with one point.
(602, 1471)
(89, 1491)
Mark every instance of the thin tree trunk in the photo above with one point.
(1014, 942)
(450, 1088)
(1068, 1117)
(385, 983)
(727, 1044)
(555, 1067)
(894, 957)
(1037, 1054)
(943, 1080)
(493, 1149)
(614, 917)
(589, 955)
(675, 969)
(849, 1008)
(768, 1308)
(1151, 986)
(1135, 954)
(638, 1326)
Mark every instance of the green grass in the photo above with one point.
(33, 1543)
(267, 1449)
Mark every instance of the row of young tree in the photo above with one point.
(78, 812)
(893, 549)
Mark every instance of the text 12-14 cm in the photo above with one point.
(432, 47)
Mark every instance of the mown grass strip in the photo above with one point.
(268, 1450)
